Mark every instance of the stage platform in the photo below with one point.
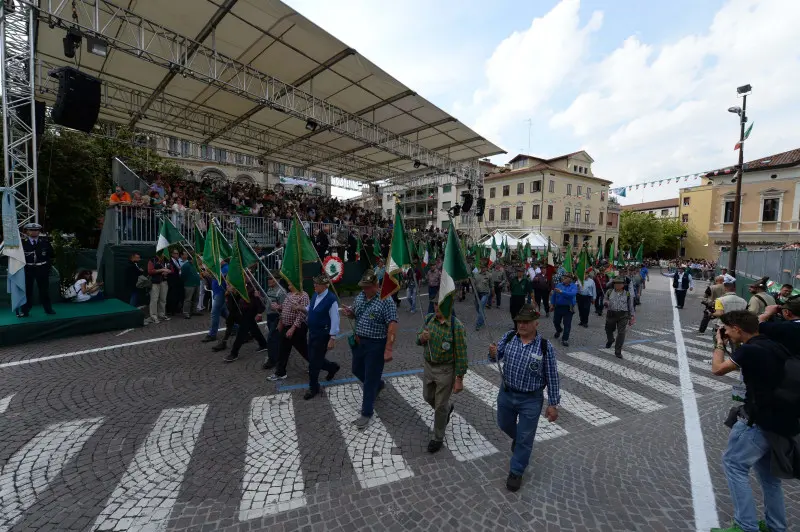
(70, 319)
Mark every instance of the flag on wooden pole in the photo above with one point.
(397, 259)
(298, 251)
(454, 270)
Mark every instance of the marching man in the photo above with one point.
(528, 365)
(376, 329)
(445, 343)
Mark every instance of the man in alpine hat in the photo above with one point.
(323, 327)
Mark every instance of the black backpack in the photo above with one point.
(788, 391)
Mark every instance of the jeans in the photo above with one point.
(273, 338)
(563, 313)
(483, 298)
(433, 291)
(584, 307)
(518, 416)
(218, 309)
(368, 368)
(134, 301)
(412, 296)
(748, 447)
(317, 350)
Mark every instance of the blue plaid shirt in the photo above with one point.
(525, 369)
(374, 316)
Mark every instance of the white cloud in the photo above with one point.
(527, 67)
(651, 112)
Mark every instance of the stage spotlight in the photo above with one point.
(311, 125)
(744, 89)
(417, 164)
(96, 46)
(71, 41)
(466, 200)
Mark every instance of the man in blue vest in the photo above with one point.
(681, 281)
(323, 326)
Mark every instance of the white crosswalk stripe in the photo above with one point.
(618, 393)
(460, 438)
(704, 364)
(148, 489)
(708, 344)
(5, 402)
(487, 393)
(577, 406)
(660, 331)
(640, 333)
(637, 376)
(370, 449)
(667, 368)
(29, 471)
(273, 479)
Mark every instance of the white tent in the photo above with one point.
(535, 239)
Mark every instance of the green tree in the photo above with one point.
(671, 229)
(638, 227)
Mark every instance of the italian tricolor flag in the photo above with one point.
(493, 253)
(746, 136)
(398, 259)
(454, 270)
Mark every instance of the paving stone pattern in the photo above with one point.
(163, 436)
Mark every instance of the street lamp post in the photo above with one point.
(743, 91)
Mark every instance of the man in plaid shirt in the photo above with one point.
(445, 343)
(376, 329)
(529, 366)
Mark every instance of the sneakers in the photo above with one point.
(609, 343)
(618, 355)
(310, 394)
(230, 357)
(208, 338)
(565, 343)
(268, 365)
(147, 321)
(331, 374)
(362, 422)
(222, 345)
(274, 378)
(164, 318)
(514, 482)
(434, 446)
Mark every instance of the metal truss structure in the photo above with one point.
(17, 21)
(128, 32)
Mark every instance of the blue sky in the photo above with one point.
(643, 90)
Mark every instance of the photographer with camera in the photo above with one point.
(763, 430)
(785, 331)
(712, 293)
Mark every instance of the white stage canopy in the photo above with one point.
(257, 78)
(536, 240)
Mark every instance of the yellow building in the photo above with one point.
(770, 206)
(560, 198)
(694, 204)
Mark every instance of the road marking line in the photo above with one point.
(29, 471)
(703, 502)
(659, 331)
(667, 368)
(705, 344)
(641, 333)
(571, 403)
(618, 393)
(463, 440)
(149, 488)
(273, 479)
(623, 371)
(5, 402)
(704, 364)
(126, 331)
(370, 449)
(104, 348)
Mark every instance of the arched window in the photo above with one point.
(298, 189)
(317, 191)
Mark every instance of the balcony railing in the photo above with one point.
(504, 223)
(572, 225)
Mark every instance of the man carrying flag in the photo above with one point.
(445, 344)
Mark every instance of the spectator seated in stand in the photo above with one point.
(85, 290)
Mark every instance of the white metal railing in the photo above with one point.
(504, 223)
(579, 226)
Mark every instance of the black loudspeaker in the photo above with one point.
(78, 102)
(466, 203)
(481, 206)
(24, 114)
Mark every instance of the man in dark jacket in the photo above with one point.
(132, 273)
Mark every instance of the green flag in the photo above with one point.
(528, 252)
(568, 259)
(583, 264)
(299, 250)
(640, 253)
(199, 241)
(376, 246)
(167, 235)
(242, 257)
(611, 256)
(397, 259)
(212, 255)
(454, 270)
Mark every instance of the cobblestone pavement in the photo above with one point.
(149, 430)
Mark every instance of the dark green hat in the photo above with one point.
(527, 313)
(369, 278)
(619, 280)
(321, 279)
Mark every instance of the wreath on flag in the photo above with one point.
(333, 268)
